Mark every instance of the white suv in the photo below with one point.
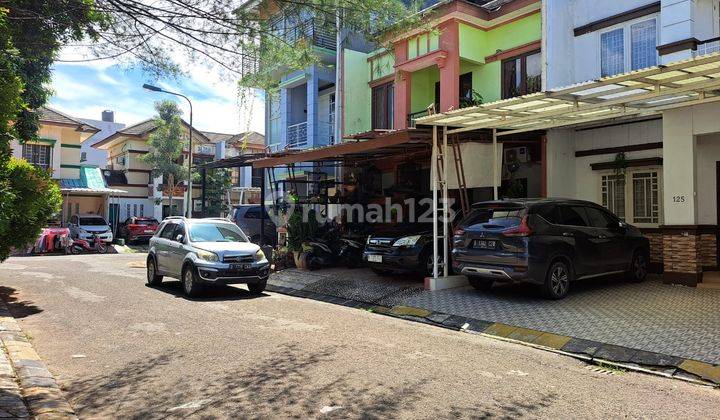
(84, 226)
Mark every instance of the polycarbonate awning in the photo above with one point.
(639, 93)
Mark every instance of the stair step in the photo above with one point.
(711, 277)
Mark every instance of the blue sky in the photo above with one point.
(85, 90)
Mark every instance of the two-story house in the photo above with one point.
(147, 196)
(58, 150)
(245, 181)
(661, 171)
(461, 54)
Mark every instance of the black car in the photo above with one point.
(549, 242)
(403, 248)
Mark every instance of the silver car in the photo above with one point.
(203, 252)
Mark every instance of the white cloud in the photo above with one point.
(84, 91)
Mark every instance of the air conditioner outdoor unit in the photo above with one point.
(517, 154)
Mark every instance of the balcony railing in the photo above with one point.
(297, 136)
(415, 115)
(315, 32)
(708, 46)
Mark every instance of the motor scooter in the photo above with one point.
(331, 250)
(76, 246)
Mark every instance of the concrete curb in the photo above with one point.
(589, 351)
(40, 391)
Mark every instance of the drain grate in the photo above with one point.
(605, 370)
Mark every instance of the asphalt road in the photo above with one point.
(121, 349)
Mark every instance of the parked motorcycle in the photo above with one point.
(331, 250)
(76, 246)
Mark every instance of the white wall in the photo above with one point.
(571, 59)
(572, 177)
(707, 154)
(148, 207)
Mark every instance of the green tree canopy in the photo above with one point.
(166, 147)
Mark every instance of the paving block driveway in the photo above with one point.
(673, 320)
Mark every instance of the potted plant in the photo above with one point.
(298, 232)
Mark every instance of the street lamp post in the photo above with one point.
(188, 200)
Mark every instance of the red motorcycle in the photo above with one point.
(76, 246)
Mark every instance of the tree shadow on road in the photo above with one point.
(210, 293)
(289, 382)
(18, 308)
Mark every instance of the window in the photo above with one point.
(37, 154)
(167, 232)
(643, 50)
(257, 177)
(613, 194)
(572, 216)
(127, 210)
(331, 118)
(383, 98)
(235, 176)
(646, 203)
(612, 52)
(522, 75)
(631, 47)
(467, 97)
(634, 197)
(142, 210)
(135, 213)
(599, 219)
(83, 156)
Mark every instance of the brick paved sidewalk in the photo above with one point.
(27, 388)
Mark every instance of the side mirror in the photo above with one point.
(622, 225)
(180, 238)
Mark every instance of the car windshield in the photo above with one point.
(504, 217)
(216, 232)
(92, 221)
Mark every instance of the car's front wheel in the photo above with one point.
(557, 280)
(429, 264)
(153, 279)
(258, 287)
(638, 267)
(190, 283)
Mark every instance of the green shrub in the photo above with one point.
(28, 199)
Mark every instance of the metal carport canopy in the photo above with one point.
(638, 93)
(381, 145)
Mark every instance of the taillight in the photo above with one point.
(520, 230)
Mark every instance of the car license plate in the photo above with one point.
(375, 258)
(149, 231)
(485, 244)
(239, 266)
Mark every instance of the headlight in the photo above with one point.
(260, 255)
(207, 256)
(407, 241)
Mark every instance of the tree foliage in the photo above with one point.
(218, 183)
(166, 147)
(30, 199)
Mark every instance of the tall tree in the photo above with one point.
(218, 183)
(166, 147)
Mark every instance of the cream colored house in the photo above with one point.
(57, 149)
(147, 196)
